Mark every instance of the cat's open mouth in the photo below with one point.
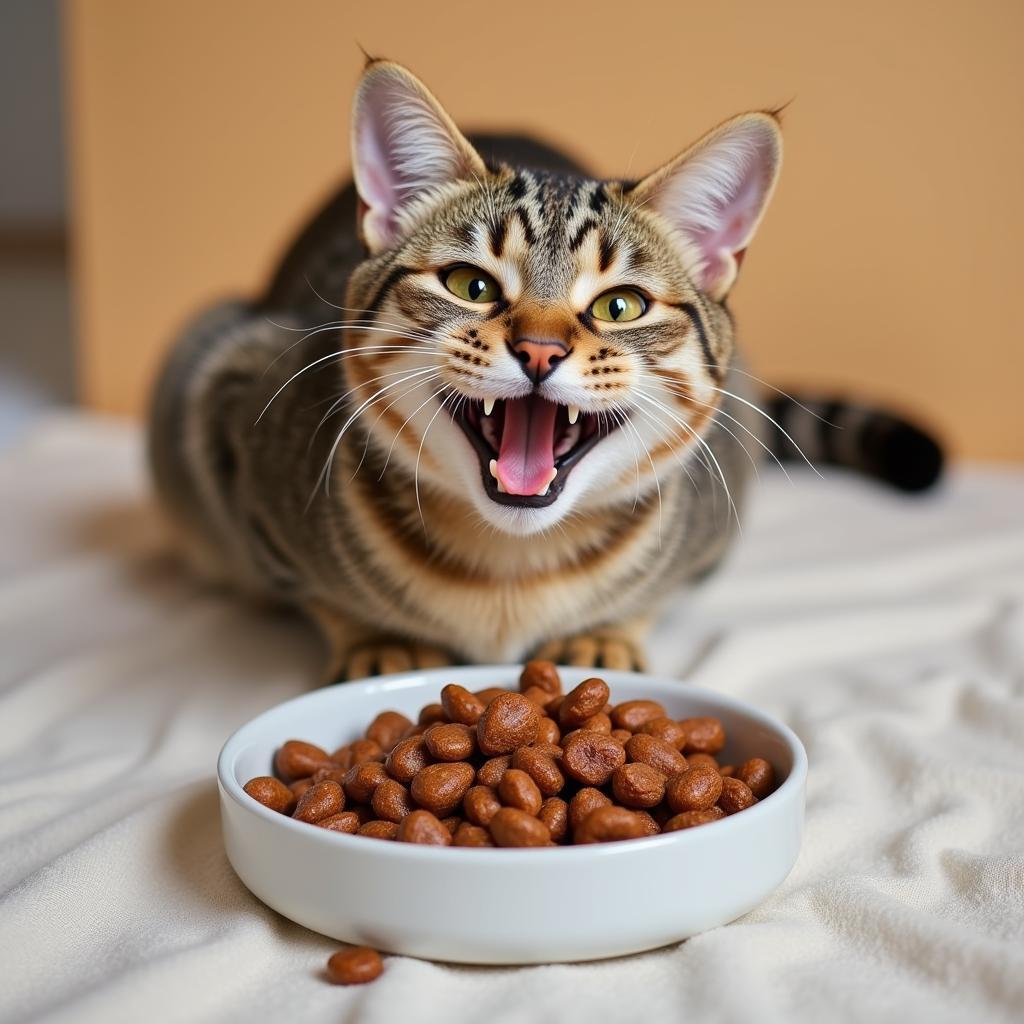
(528, 446)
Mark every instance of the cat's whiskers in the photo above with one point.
(340, 355)
(419, 452)
(778, 426)
(337, 402)
(644, 397)
(654, 470)
(719, 411)
(777, 390)
(324, 476)
(679, 461)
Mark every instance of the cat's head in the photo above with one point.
(538, 343)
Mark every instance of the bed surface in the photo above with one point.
(888, 632)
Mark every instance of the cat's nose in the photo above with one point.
(539, 359)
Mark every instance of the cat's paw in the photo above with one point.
(600, 649)
(382, 657)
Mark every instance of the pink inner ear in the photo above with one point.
(378, 177)
(734, 221)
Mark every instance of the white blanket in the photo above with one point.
(888, 632)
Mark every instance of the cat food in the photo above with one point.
(355, 966)
(504, 768)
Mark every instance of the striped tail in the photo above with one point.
(875, 442)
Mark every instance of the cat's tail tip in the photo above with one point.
(878, 443)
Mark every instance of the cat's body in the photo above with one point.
(390, 541)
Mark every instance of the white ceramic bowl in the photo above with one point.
(499, 906)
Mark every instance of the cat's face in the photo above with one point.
(541, 344)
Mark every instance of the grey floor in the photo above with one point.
(36, 350)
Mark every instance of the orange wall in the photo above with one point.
(202, 133)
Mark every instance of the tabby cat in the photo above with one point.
(489, 406)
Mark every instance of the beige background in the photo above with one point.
(890, 264)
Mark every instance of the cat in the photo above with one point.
(489, 406)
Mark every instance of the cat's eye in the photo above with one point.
(619, 306)
(472, 285)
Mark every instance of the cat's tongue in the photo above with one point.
(526, 462)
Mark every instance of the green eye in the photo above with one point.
(619, 306)
(472, 285)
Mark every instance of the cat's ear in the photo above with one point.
(715, 193)
(404, 146)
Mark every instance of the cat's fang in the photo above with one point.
(488, 406)
(547, 487)
(574, 413)
(493, 467)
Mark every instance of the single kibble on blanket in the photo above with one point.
(355, 966)
(521, 769)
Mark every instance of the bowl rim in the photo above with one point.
(566, 855)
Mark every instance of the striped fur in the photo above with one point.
(304, 445)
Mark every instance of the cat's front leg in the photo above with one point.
(355, 651)
(615, 646)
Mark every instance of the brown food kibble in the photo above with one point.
(361, 780)
(667, 729)
(541, 766)
(450, 742)
(508, 722)
(539, 697)
(591, 757)
(586, 800)
(649, 822)
(491, 771)
(488, 693)
(347, 821)
(703, 735)
(355, 966)
(759, 776)
(736, 796)
(270, 792)
(691, 819)
(299, 786)
(387, 729)
(330, 774)
(695, 789)
(517, 789)
(408, 757)
(297, 759)
(431, 713)
(609, 824)
(632, 714)
(460, 705)
(554, 812)
(379, 830)
(424, 828)
(391, 801)
(319, 801)
(548, 731)
(580, 703)
(711, 762)
(513, 827)
(481, 803)
(659, 754)
(638, 785)
(532, 767)
(439, 788)
(364, 751)
(598, 723)
(471, 835)
(542, 674)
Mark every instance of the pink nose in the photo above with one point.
(538, 358)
